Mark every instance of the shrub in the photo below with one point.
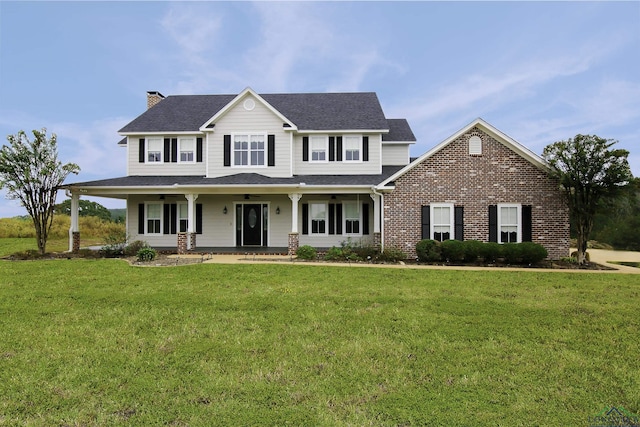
(147, 254)
(452, 250)
(491, 251)
(365, 252)
(428, 250)
(512, 253)
(134, 247)
(472, 250)
(532, 253)
(392, 255)
(334, 254)
(306, 252)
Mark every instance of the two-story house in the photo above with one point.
(276, 171)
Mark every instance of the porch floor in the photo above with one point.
(240, 250)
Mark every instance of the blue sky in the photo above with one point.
(538, 71)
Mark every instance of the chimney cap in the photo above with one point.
(155, 92)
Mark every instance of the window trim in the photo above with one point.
(326, 218)
(193, 139)
(345, 218)
(518, 224)
(344, 148)
(325, 143)
(432, 224)
(265, 150)
(147, 218)
(146, 150)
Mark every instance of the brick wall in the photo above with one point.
(499, 175)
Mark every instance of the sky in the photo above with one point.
(538, 71)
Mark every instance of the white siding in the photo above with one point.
(162, 168)
(239, 120)
(372, 167)
(395, 154)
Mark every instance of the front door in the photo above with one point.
(252, 225)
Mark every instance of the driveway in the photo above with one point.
(604, 257)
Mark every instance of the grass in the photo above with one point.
(10, 246)
(97, 342)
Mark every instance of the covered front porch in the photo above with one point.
(243, 219)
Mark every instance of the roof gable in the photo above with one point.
(499, 136)
(244, 95)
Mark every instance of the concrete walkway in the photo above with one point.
(597, 255)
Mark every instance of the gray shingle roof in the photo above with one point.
(308, 111)
(241, 179)
(399, 130)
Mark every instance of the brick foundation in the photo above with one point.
(294, 243)
(377, 240)
(75, 246)
(498, 175)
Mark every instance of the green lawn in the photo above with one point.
(9, 246)
(97, 342)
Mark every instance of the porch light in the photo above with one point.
(278, 210)
(224, 211)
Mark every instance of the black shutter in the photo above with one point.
(141, 150)
(166, 218)
(227, 150)
(426, 222)
(458, 215)
(338, 218)
(365, 148)
(526, 223)
(493, 223)
(198, 218)
(365, 218)
(305, 218)
(332, 148)
(305, 148)
(174, 150)
(173, 218)
(339, 149)
(140, 218)
(199, 150)
(167, 150)
(271, 150)
(332, 218)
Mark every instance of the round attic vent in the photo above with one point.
(249, 104)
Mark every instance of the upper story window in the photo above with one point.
(187, 149)
(442, 221)
(249, 149)
(318, 148)
(509, 225)
(352, 148)
(154, 150)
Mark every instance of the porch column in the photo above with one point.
(294, 236)
(191, 224)
(377, 236)
(74, 230)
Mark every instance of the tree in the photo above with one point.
(31, 173)
(589, 170)
(85, 208)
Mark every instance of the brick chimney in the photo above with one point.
(153, 97)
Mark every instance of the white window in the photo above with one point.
(248, 150)
(187, 149)
(154, 218)
(183, 217)
(441, 221)
(319, 148)
(351, 148)
(154, 150)
(509, 229)
(318, 218)
(351, 218)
